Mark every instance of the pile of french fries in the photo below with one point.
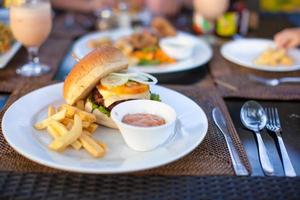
(72, 126)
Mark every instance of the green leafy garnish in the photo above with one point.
(104, 110)
(155, 97)
(100, 108)
(144, 62)
(149, 49)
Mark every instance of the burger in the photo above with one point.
(102, 80)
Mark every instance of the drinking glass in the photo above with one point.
(31, 23)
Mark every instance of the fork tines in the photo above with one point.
(273, 121)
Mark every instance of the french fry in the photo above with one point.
(53, 132)
(61, 130)
(91, 145)
(71, 111)
(69, 125)
(103, 145)
(80, 104)
(72, 126)
(71, 136)
(57, 116)
(51, 111)
(67, 121)
(59, 127)
(92, 128)
(76, 145)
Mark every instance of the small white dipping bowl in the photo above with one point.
(144, 138)
(178, 47)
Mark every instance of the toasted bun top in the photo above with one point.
(89, 70)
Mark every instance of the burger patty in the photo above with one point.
(98, 99)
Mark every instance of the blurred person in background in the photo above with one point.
(164, 7)
(85, 6)
(156, 7)
(167, 8)
(288, 38)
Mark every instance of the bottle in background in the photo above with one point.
(234, 21)
(124, 19)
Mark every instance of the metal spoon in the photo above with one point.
(254, 118)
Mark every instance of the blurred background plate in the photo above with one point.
(201, 55)
(244, 51)
(5, 57)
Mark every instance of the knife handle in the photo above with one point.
(238, 166)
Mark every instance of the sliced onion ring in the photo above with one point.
(125, 74)
(140, 77)
(113, 80)
(144, 78)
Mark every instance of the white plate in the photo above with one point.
(201, 55)
(244, 51)
(5, 57)
(25, 112)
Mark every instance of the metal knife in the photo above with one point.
(238, 165)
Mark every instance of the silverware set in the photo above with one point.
(256, 118)
(274, 81)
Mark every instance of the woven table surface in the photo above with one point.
(211, 157)
(233, 81)
(75, 186)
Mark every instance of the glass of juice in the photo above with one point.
(31, 23)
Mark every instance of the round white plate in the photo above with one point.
(18, 121)
(201, 55)
(244, 51)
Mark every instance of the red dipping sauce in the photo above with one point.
(143, 120)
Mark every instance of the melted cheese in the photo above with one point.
(110, 98)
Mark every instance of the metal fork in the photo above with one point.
(273, 124)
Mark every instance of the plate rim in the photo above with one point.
(89, 171)
(253, 66)
(169, 70)
(7, 56)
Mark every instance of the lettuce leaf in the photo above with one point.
(155, 97)
(102, 109)
(144, 62)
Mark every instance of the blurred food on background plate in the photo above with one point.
(142, 47)
(6, 38)
(274, 57)
(163, 27)
(99, 42)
